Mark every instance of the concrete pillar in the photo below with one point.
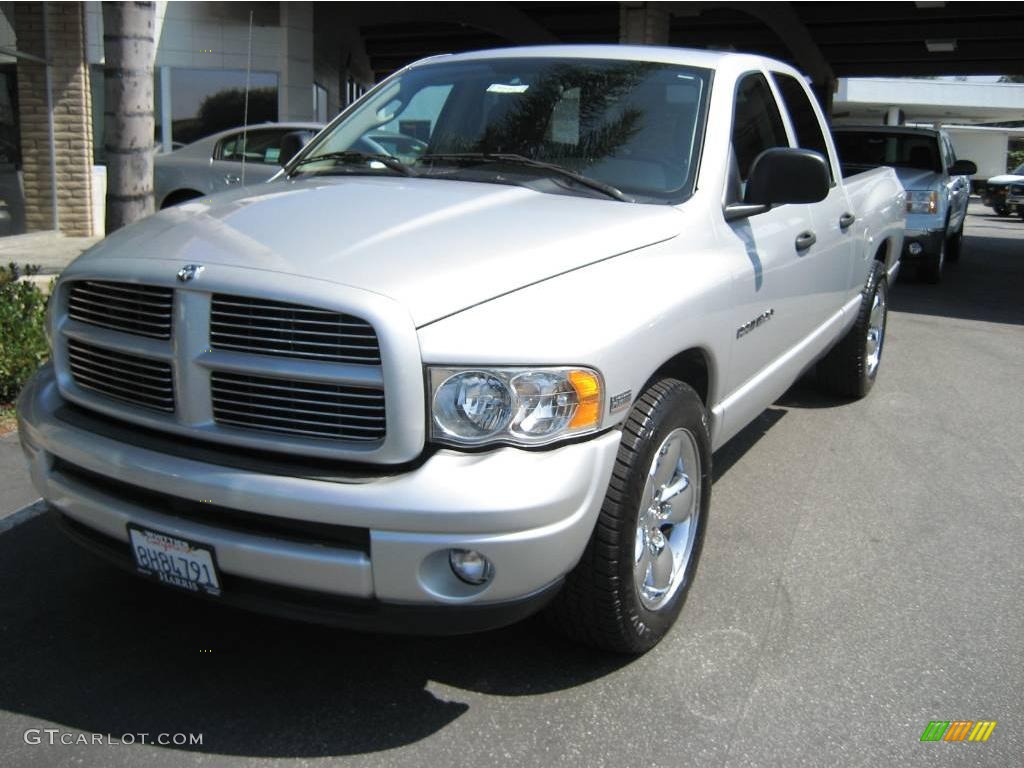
(825, 91)
(295, 89)
(644, 23)
(894, 116)
(57, 31)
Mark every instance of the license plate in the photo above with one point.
(174, 561)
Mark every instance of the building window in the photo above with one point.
(205, 101)
(353, 90)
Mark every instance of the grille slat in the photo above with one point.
(152, 373)
(142, 310)
(116, 382)
(279, 405)
(279, 329)
(221, 313)
(253, 401)
(116, 375)
(332, 334)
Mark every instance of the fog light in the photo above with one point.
(470, 566)
(915, 249)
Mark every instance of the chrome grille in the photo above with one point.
(143, 310)
(129, 378)
(267, 327)
(303, 408)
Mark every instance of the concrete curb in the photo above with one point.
(23, 515)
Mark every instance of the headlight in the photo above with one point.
(922, 201)
(523, 406)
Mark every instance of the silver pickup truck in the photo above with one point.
(938, 186)
(439, 394)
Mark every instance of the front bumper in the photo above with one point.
(930, 241)
(377, 545)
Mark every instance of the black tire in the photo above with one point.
(1001, 210)
(845, 370)
(600, 604)
(955, 245)
(930, 268)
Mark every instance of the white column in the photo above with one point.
(644, 23)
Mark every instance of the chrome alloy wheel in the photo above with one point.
(667, 523)
(876, 330)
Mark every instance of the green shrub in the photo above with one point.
(23, 346)
(1014, 158)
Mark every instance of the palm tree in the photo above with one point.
(128, 119)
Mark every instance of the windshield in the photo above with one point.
(901, 150)
(636, 126)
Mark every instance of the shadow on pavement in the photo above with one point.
(734, 450)
(96, 650)
(986, 284)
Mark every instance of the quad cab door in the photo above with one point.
(771, 282)
(829, 262)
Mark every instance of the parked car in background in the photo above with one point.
(440, 395)
(938, 186)
(997, 191)
(214, 164)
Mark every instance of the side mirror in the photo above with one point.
(782, 175)
(963, 168)
(291, 145)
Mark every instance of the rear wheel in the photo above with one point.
(851, 367)
(633, 578)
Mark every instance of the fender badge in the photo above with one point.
(189, 272)
(620, 401)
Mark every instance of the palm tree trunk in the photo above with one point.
(128, 116)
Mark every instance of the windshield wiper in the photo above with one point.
(353, 156)
(514, 159)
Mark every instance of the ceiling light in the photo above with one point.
(940, 46)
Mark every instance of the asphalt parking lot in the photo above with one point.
(862, 576)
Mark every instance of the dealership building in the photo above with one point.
(305, 61)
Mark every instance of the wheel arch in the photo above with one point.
(693, 366)
(179, 196)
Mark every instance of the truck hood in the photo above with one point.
(915, 178)
(436, 246)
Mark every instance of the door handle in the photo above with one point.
(230, 178)
(846, 220)
(805, 240)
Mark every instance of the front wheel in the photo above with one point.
(930, 268)
(633, 578)
(955, 245)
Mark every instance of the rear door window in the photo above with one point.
(802, 115)
(257, 147)
(757, 124)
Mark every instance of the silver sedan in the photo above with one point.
(214, 163)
